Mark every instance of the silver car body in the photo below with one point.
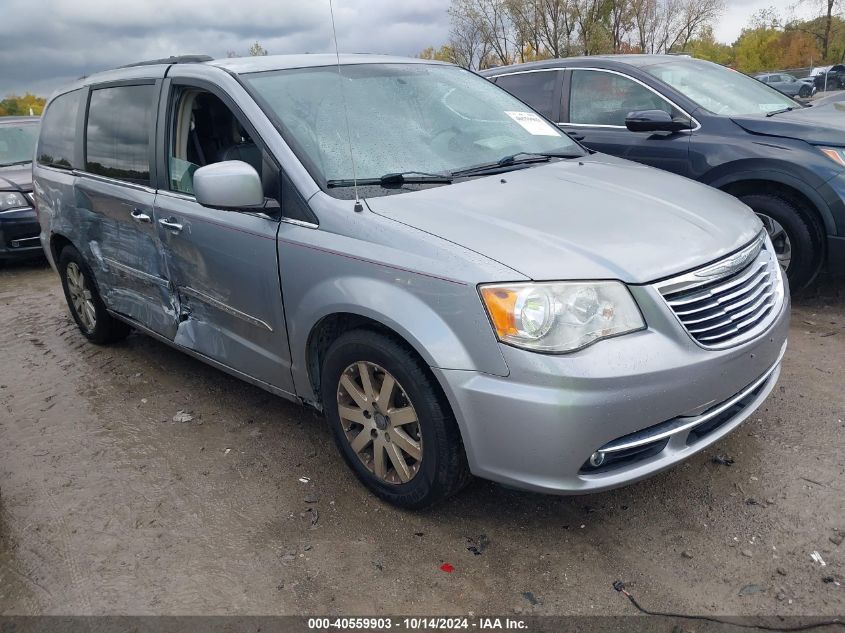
(250, 294)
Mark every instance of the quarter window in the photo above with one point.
(117, 138)
(600, 98)
(57, 142)
(537, 89)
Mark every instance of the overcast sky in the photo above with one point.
(44, 43)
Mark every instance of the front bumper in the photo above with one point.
(537, 428)
(19, 234)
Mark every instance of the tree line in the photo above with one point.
(486, 33)
(15, 105)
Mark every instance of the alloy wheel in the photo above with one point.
(380, 422)
(780, 239)
(80, 297)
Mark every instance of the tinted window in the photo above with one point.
(536, 89)
(57, 143)
(117, 139)
(599, 98)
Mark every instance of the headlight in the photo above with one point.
(836, 154)
(560, 316)
(12, 200)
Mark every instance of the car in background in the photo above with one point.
(18, 222)
(831, 79)
(712, 124)
(787, 84)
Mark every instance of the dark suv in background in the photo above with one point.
(712, 124)
(832, 79)
(18, 223)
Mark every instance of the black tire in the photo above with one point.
(801, 231)
(443, 468)
(106, 328)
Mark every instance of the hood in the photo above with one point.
(17, 177)
(594, 218)
(818, 125)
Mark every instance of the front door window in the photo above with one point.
(604, 98)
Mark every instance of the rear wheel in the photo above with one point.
(793, 236)
(83, 299)
(391, 421)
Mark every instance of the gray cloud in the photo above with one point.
(45, 43)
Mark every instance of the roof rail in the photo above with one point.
(173, 59)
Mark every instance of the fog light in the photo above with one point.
(597, 459)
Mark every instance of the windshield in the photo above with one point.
(403, 118)
(720, 90)
(17, 143)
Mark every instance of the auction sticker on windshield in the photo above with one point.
(533, 124)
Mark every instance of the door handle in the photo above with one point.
(140, 216)
(171, 224)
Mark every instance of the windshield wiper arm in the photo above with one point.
(514, 159)
(787, 109)
(17, 162)
(394, 179)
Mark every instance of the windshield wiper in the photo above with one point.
(788, 109)
(514, 159)
(394, 179)
(19, 162)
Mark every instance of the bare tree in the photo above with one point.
(694, 16)
(493, 21)
(588, 17)
(620, 23)
(467, 41)
(256, 50)
(488, 32)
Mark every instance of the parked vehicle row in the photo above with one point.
(459, 285)
(829, 78)
(788, 85)
(711, 124)
(19, 228)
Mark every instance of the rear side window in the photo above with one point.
(117, 137)
(537, 89)
(57, 143)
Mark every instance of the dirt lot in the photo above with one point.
(109, 506)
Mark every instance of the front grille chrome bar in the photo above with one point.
(730, 301)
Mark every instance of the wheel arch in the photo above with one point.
(58, 242)
(329, 328)
(735, 177)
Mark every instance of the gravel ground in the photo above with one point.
(109, 506)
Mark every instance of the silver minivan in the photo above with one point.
(460, 287)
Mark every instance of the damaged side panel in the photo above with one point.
(223, 270)
(113, 223)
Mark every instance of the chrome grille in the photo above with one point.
(730, 301)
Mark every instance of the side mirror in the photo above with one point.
(232, 185)
(655, 121)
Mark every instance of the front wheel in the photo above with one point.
(795, 241)
(390, 420)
